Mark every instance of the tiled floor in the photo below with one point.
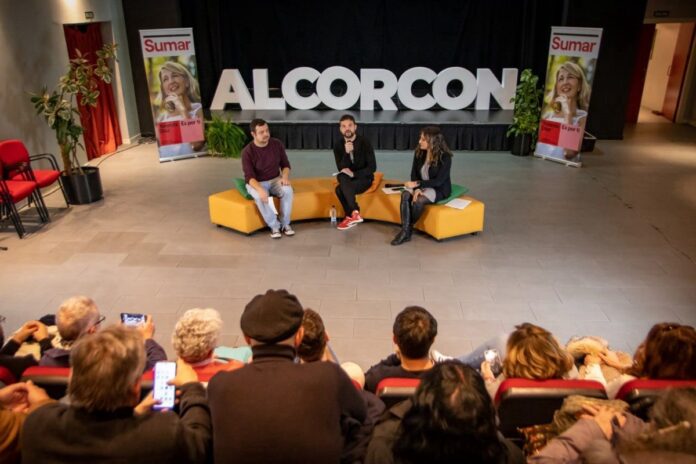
(608, 249)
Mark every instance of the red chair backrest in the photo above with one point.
(52, 379)
(641, 394)
(393, 390)
(13, 152)
(523, 402)
(6, 376)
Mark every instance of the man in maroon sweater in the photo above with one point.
(267, 174)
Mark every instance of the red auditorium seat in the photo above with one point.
(393, 390)
(6, 376)
(52, 379)
(522, 402)
(641, 394)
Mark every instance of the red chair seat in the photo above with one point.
(44, 177)
(393, 390)
(641, 394)
(19, 189)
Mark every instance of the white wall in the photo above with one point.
(660, 60)
(33, 54)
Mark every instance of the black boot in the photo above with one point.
(404, 234)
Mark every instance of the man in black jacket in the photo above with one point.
(355, 161)
(276, 410)
(103, 423)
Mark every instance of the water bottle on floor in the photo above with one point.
(332, 215)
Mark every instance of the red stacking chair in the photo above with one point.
(6, 376)
(522, 402)
(15, 157)
(641, 394)
(393, 390)
(14, 191)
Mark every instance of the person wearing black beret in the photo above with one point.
(275, 410)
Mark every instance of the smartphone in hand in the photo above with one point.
(132, 319)
(161, 390)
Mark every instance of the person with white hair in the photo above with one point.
(78, 317)
(195, 337)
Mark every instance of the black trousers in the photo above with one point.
(347, 188)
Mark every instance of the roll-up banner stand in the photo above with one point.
(175, 98)
(572, 64)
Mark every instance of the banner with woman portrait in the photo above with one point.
(175, 98)
(572, 63)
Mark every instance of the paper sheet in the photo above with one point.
(271, 203)
(458, 203)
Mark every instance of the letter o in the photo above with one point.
(324, 87)
(463, 100)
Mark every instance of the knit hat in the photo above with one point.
(272, 317)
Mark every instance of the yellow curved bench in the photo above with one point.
(313, 198)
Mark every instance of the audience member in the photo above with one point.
(283, 411)
(668, 352)
(451, 418)
(102, 422)
(16, 401)
(79, 316)
(314, 348)
(18, 364)
(195, 337)
(605, 436)
(315, 341)
(413, 335)
(534, 353)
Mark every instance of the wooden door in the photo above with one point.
(640, 68)
(677, 70)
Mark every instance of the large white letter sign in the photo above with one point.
(406, 83)
(464, 99)
(261, 92)
(289, 88)
(231, 89)
(502, 92)
(369, 94)
(324, 87)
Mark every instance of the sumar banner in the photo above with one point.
(175, 97)
(571, 68)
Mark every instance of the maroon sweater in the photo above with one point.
(264, 163)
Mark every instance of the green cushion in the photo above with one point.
(241, 186)
(457, 191)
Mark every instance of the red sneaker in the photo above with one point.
(356, 218)
(346, 223)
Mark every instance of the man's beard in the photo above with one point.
(348, 134)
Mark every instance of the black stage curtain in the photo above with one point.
(396, 35)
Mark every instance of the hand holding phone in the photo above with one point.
(162, 391)
(494, 361)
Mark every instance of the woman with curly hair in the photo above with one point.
(430, 180)
(451, 418)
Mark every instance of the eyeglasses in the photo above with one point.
(100, 320)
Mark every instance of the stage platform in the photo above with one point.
(482, 130)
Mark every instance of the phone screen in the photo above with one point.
(132, 319)
(164, 372)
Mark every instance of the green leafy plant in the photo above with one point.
(527, 100)
(224, 138)
(76, 87)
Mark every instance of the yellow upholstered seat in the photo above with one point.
(313, 198)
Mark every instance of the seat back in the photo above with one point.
(6, 376)
(52, 379)
(13, 152)
(394, 390)
(523, 402)
(641, 394)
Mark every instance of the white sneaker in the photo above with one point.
(287, 230)
(275, 234)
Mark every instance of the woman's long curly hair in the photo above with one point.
(437, 147)
(668, 352)
(452, 419)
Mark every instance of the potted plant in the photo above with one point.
(224, 138)
(78, 86)
(525, 120)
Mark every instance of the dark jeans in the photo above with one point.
(347, 188)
